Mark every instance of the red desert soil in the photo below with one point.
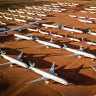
(76, 71)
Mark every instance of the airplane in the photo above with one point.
(44, 33)
(56, 35)
(47, 44)
(57, 11)
(20, 20)
(12, 10)
(20, 11)
(31, 23)
(93, 67)
(93, 7)
(16, 29)
(50, 26)
(71, 30)
(2, 33)
(72, 39)
(92, 33)
(13, 61)
(28, 7)
(47, 75)
(3, 29)
(8, 18)
(90, 9)
(35, 30)
(78, 53)
(85, 21)
(41, 15)
(89, 43)
(19, 37)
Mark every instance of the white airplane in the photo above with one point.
(56, 35)
(78, 53)
(47, 75)
(17, 61)
(50, 26)
(3, 29)
(92, 33)
(19, 20)
(83, 11)
(57, 11)
(12, 10)
(42, 32)
(72, 15)
(85, 21)
(93, 7)
(47, 44)
(31, 23)
(41, 15)
(2, 33)
(30, 13)
(19, 37)
(72, 39)
(28, 7)
(20, 11)
(90, 9)
(8, 18)
(89, 43)
(35, 30)
(93, 67)
(71, 30)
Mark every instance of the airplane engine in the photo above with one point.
(11, 65)
(47, 81)
(55, 74)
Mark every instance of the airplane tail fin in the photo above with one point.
(58, 25)
(2, 52)
(8, 9)
(83, 40)
(36, 38)
(89, 31)
(50, 33)
(62, 26)
(64, 45)
(31, 36)
(31, 65)
(81, 48)
(51, 40)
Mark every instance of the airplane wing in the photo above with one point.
(52, 69)
(73, 55)
(8, 63)
(93, 67)
(19, 57)
(37, 80)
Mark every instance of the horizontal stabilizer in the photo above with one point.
(37, 80)
(8, 63)
(93, 67)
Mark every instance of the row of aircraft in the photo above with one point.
(51, 74)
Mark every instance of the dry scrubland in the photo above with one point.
(76, 71)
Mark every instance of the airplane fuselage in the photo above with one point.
(80, 53)
(12, 60)
(50, 76)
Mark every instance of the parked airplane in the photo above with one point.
(3, 29)
(42, 32)
(89, 43)
(2, 33)
(47, 75)
(12, 10)
(19, 37)
(35, 30)
(8, 18)
(85, 21)
(72, 39)
(78, 53)
(71, 30)
(19, 20)
(50, 26)
(47, 44)
(56, 35)
(17, 61)
(3, 23)
(89, 31)
(93, 67)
